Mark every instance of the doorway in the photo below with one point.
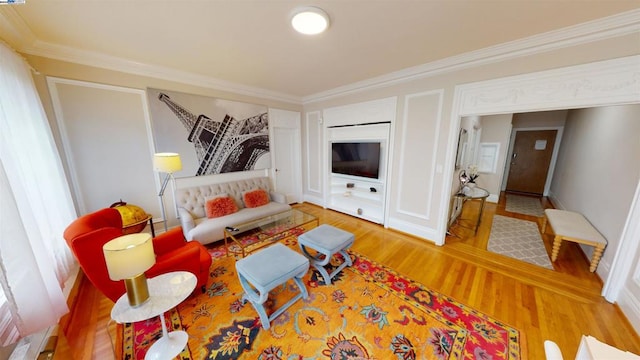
(547, 83)
(530, 161)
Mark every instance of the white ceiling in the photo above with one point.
(250, 43)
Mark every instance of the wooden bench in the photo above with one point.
(572, 226)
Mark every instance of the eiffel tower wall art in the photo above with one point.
(211, 135)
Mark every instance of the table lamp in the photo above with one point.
(127, 258)
(166, 163)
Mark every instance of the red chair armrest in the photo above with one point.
(168, 241)
(185, 258)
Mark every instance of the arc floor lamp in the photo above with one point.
(166, 163)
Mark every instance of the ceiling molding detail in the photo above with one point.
(18, 34)
(99, 60)
(13, 29)
(95, 59)
(602, 83)
(600, 29)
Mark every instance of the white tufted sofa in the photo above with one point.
(191, 208)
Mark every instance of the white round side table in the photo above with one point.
(165, 292)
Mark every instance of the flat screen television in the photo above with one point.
(356, 159)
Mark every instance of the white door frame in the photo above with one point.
(291, 120)
(552, 163)
(604, 83)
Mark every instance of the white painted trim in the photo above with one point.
(314, 200)
(600, 29)
(624, 259)
(630, 307)
(494, 151)
(318, 124)
(94, 59)
(434, 152)
(287, 120)
(427, 234)
(13, 28)
(64, 137)
(603, 83)
(388, 179)
(596, 30)
(52, 83)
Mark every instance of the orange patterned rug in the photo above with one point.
(368, 312)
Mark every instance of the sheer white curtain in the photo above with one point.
(35, 208)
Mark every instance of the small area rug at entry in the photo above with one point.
(368, 312)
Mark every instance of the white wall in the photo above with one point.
(598, 169)
(495, 129)
(102, 130)
(439, 135)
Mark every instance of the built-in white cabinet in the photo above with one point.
(358, 197)
(357, 180)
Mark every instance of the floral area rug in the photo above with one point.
(368, 312)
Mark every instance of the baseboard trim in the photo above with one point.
(315, 200)
(423, 232)
(630, 307)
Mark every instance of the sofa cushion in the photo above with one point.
(207, 230)
(192, 198)
(220, 206)
(255, 197)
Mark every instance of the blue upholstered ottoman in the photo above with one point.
(326, 240)
(266, 269)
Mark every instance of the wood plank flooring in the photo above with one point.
(559, 305)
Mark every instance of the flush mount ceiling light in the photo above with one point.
(309, 20)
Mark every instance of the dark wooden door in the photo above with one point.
(532, 151)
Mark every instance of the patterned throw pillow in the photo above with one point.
(220, 206)
(255, 198)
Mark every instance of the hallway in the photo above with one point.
(571, 260)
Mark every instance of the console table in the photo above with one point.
(474, 193)
(165, 292)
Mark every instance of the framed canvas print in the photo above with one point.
(211, 135)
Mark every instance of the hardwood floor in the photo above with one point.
(559, 305)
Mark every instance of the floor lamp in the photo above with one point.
(166, 163)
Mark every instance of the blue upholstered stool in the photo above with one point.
(326, 240)
(266, 269)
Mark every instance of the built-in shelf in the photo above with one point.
(358, 199)
(359, 123)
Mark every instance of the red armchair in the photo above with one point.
(87, 234)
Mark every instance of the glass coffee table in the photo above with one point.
(264, 231)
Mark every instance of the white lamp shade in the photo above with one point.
(167, 162)
(310, 20)
(129, 256)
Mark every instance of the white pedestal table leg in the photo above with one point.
(169, 345)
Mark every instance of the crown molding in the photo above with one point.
(14, 30)
(600, 29)
(95, 59)
(18, 34)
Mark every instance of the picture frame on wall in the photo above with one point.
(211, 135)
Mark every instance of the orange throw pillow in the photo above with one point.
(255, 198)
(220, 206)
